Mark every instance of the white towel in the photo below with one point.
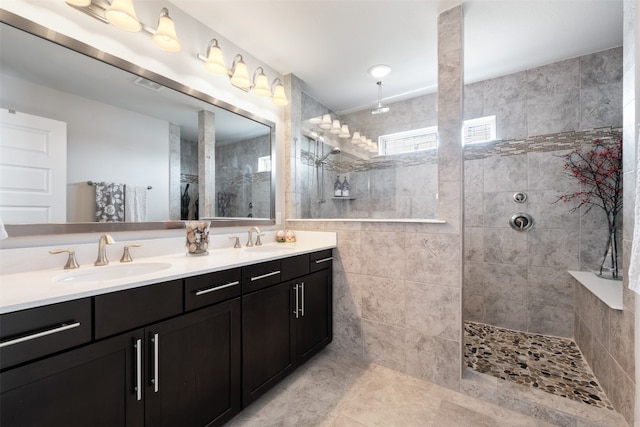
(135, 203)
(634, 263)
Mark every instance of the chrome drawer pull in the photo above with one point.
(138, 387)
(302, 286)
(320, 261)
(273, 273)
(39, 334)
(156, 347)
(217, 288)
(297, 301)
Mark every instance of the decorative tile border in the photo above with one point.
(541, 143)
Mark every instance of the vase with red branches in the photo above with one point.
(599, 171)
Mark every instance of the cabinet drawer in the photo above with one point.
(37, 332)
(320, 260)
(207, 289)
(260, 276)
(294, 266)
(121, 311)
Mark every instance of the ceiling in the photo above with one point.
(330, 44)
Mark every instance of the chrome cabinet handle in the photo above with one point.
(297, 301)
(156, 346)
(273, 273)
(217, 288)
(55, 330)
(138, 388)
(302, 286)
(320, 261)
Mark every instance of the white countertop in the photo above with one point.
(20, 291)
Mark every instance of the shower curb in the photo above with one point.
(538, 404)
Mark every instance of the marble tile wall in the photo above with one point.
(397, 286)
(519, 280)
(237, 176)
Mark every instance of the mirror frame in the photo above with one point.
(18, 230)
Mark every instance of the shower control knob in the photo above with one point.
(521, 221)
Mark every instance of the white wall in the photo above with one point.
(104, 143)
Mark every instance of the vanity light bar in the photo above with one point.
(123, 16)
(239, 77)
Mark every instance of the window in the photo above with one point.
(482, 129)
(409, 141)
(264, 164)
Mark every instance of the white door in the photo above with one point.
(33, 169)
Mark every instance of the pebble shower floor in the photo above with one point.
(552, 364)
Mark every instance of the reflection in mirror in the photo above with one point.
(397, 179)
(121, 129)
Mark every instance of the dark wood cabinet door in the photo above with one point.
(90, 386)
(267, 339)
(193, 368)
(314, 322)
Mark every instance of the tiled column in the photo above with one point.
(174, 171)
(293, 124)
(207, 163)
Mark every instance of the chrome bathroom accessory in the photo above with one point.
(104, 240)
(236, 244)
(520, 197)
(521, 221)
(72, 262)
(126, 255)
(249, 240)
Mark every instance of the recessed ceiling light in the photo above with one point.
(379, 71)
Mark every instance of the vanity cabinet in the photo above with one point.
(183, 369)
(188, 352)
(285, 324)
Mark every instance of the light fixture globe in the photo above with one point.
(379, 71)
(261, 83)
(215, 61)
(240, 77)
(165, 36)
(326, 122)
(279, 97)
(122, 14)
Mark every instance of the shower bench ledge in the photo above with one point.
(608, 291)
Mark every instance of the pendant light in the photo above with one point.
(379, 108)
(165, 36)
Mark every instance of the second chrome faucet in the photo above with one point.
(250, 240)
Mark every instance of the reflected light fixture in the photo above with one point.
(356, 137)
(379, 108)
(315, 120)
(344, 132)
(215, 61)
(165, 36)
(279, 97)
(335, 127)
(122, 14)
(261, 83)
(326, 122)
(239, 73)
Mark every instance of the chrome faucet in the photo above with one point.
(249, 241)
(104, 240)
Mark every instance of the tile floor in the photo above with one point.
(551, 364)
(331, 391)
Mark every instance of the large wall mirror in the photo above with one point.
(77, 123)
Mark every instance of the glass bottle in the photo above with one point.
(337, 187)
(345, 187)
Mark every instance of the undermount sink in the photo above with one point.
(270, 248)
(111, 272)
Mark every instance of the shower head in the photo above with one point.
(334, 150)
